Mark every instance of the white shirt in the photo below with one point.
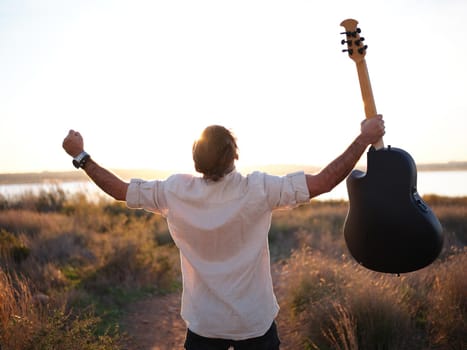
(221, 231)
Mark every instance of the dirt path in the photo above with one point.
(155, 324)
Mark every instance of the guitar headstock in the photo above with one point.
(354, 41)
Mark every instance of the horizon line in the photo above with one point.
(127, 173)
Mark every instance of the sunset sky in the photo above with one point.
(141, 79)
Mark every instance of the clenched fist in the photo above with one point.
(73, 143)
(372, 129)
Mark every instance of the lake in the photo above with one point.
(443, 183)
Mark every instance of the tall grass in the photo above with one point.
(330, 302)
(70, 265)
(83, 261)
(19, 316)
(28, 322)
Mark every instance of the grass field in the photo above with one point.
(68, 268)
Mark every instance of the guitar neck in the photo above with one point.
(367, 95)
(357, 53)
(365, 88)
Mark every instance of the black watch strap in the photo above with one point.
(80, 160)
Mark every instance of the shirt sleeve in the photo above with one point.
(288, 191)
(143, 194)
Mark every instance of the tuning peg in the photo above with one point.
(350, 51)
(352, 34)
(362, 49)
(357, 31)
(359, 41)
(349, 42)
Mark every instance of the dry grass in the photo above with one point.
(29, 321)
(336, 304)
(330, 302)
(86, 259)
(67, 264)
(19, 315)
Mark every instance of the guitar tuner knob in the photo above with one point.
(359, 41)
(349, 42)
(350, 51)
(354, 34)
(362, 49)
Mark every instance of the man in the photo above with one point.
(220, 223)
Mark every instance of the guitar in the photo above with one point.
(388, 228)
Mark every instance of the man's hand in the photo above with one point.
(73, 143)
(372, 129)
(107, 181)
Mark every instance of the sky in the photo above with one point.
(141, 79)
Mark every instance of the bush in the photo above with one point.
(12, 248)
(63, 331)
(82, 254)
(27, 321)
(74, 254)
(337, 304)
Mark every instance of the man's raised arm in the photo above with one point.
(107, 181)
(372, 130)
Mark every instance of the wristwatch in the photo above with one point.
(80, 160)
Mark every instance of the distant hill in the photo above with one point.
(449, 166)
(126, 174)
(69, 176)
(41, 177)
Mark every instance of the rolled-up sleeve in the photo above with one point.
(287, 191)
(299, 187)
(143, 195)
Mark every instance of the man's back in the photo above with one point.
(221, 230)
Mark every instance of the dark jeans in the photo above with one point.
(268, 341)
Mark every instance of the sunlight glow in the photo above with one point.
(142, 81)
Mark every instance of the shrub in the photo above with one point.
(100, 253)
(447, 303)
(28, 322)
(333, 303)
(20, 317)
(64, 331)
(12, 248)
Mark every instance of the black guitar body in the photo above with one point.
(389, 228)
